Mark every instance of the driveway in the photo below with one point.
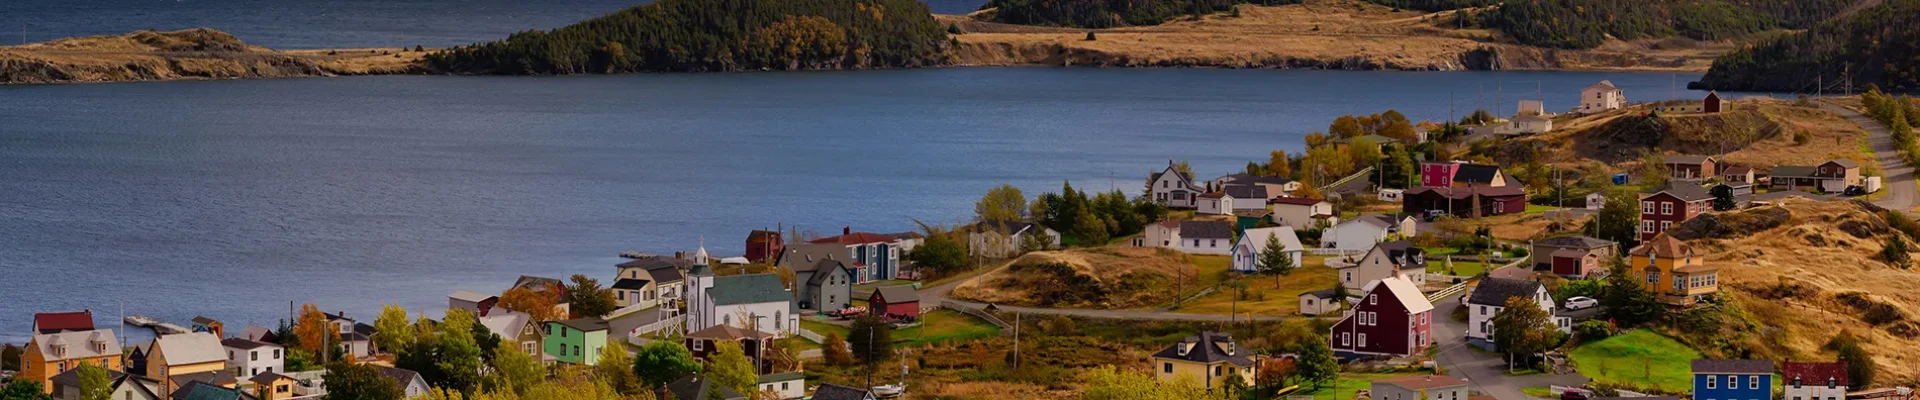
(1486, 371)
(935, 295)
(1901, 194)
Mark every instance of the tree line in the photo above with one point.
(717, 35)
(1585, 24)
(1877, 46)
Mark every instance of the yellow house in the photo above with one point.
(1210, 359)
(272, 386)
(49, 354)
(187, 357)
(1673, 272)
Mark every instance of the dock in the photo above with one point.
(159, 327)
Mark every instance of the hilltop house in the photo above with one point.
(1462, 175)
(894, 301)
(1165, 233)
(1319, 302)
(1672, 271)
(1276, 187)
(247, 358)
(1671, 204)
(701, 343)
(1812, 381)
(576, 341)
(1205, 237)
(1832, 176)
(1601, 97)
(763, 245)
(1732, 379)
(1385, 260)
(52, 351)
(1572, 256)
(1174, 189)
(1234, 198)
(995, 239)
(1420, 387)
(759, 301)
(1392, 318)
(1491, 296)
(273, 386)
(356, 337)
(1210, 359)
(874, 257)
(1300, 212)
(1363, 232)
(825, 286)
(177, 359)
(1464, 190)
(1253, 242)
(1688, 167)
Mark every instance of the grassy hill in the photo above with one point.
(1755, 133)
(1639, 357)
(186, 54)
(1107, 277)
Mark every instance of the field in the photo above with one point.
(1106, 277)
(935, 327)
(1639, 357)
(1758, 133)
(1268, 297)
(1460, 268)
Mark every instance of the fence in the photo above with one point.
(1334, 252)
(1448, 292)
(1362, 173)
(810, 335)
(1006, 329)
(658, 325)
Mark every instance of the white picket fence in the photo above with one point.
(1450, 291)
(676, 320)
(810, 335)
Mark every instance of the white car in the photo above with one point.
(1582, 302)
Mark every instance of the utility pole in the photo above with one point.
(1016, 340)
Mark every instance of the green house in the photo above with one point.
(576, 341)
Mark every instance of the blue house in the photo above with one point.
(1732, 380)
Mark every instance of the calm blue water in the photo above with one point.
(230, 199)
(297, 24)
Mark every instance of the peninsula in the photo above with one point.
(186, 55)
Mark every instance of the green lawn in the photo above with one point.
(1639, 357)
(823, 328)
(1212, 269)
(945, 325)
(1540, 392)
(1442, 251)
(1460, 268)
(1535, 208)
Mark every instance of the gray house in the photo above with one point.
(1421, 387)
(825, 286)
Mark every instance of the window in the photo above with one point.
(1218, 371)
(563, 332)
(699, 345)
(1646, 226)
(1733, 381)
(1646, 207)
(783, 385)
(1213, 243)
(1653, 277)
(1483, 310)
(276, 354)
(1664, 225)
(576, 350)
(1346, 338)
(1712, 382)
(1167, 368)
(1666, 208)
(1373, 299)
(1753, 382)
(620, 295)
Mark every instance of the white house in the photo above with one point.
(1205, 237)
(1814, 381)
(1596, 201)
(1319, 302)
(1174, 189)
(1234, 198)
(1300, 212)
(246, 358)
(994, 239)
(1491, 296)
(1246, 251)
(760, 302)
(1385, 260)
(1363, 232)
(786, 385)
(1276, 186)
(1524, 124)
(1165, 233)
(1600, 97)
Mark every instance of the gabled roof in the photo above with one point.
(1792, 171)
(1574, 242)
(1245, 179)
(244, 344)
(1469, 192)
(1246, 191)
(1184, 178)
(1404, 290)
(1707, 366)
(197, 390)
(728, 332)
(400, 377)
(1475, 173)
(1423, 382)
(1206, 229)
(71, 377)
(857, 238)
(1663, 244)
(1403, 254)
(534, 282)
(1010, 228)
(1844, 163)
(1297, 201)
(191, 348)
(699, 388)
(898, 294)
(663, 276)
(267, 378)
(748, 289)
(584, 324)
(1319, 294)
(782, 377)
(1603, 85)
(505, 323)
(77, 344)
(203, 320)
(1495, 291)
(630, 284)
(1682, 190)
(469, 296)
(1257, 238)
(1736, 170)
(64, 321)
(1685, 159)
(1207, 349)
(828, 391)
(220, 377)
(823, 269)
(1814, 373)
(258, 333)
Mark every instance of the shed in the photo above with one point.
(895, 301)
(1712, 103)
(1319, 302)
(1596, 201)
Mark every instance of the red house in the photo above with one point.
(49, 323)
(1468, 202)
(895, 302)
(1712, 103)
(1392, 318)
(764, 244)
(1437, 174)
(1670, 205)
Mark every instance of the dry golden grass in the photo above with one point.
(1841, 262)
(1530, 226)
(1105, 265)
(1829, 136)
(186, 54)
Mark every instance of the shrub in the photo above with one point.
(1090, 36)
(1594, 330)
(953, 29)
(1801, 138)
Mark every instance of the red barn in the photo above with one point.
(895, 301)
(1392, 318)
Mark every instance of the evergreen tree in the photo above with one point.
(1628, 301)
(1274, 259)
(1723, 198)
(1861, 372)
(871, 339)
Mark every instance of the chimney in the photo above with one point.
(846, 230)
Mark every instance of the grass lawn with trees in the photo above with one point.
(943, 326)
(1638, 358)
(1460, 268)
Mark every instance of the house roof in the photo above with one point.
(1603, 85)
(258, 333)
(191, 348)
(267, 378)
(1245, 179)
(1320, 294)
(77, 344)
(1184, 178)
(64, 321)
(1707, 366)
(1792, 171)
(534, 282)
(1214, 195)
(857, 238)
(1207, 350)
(1685, 159)
(828, 391)
(203, 320)
(782, 377)
(1206, 229)
(71, 377)
(1736, 170)
(1469, 192)
(761, 235)
(469, 296)
(1475, 173)
(1845, 163)
(1403, 289)
(1423, 382)
(630, 284)
(898, 294)
(1574, 242)
(243, 344)
(1572, 253)
(1662, 244)
(748, 289)
(1257, 237)
(1297, 201)
(699, 387)
(728, 332)
(1495, 291)
(823, 269)
(220, 377)
(1812, 373)
(1011, 228)
(1246, 191)
(400, 377)
(583, 324)
(1684, 191)
(665, 275)
(506, 323)
(197, 390)
(1402, 253)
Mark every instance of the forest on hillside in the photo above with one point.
(718, 35)
(1879, 46)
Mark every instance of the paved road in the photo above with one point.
(1901, 194)
(1487, 371)
(937, 294)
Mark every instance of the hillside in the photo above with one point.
(718, 35)
(1877, 45)
(1108, 277)
(1759, 133)
(1316, 34)
(186, 54)
(1809, 270)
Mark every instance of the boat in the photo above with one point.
(889, 391)
(141, 320)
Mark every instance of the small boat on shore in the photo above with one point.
(141, 321)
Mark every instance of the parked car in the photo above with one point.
(1856, 190)
(1581, 303)
(1435, 214)
(1575, 394)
